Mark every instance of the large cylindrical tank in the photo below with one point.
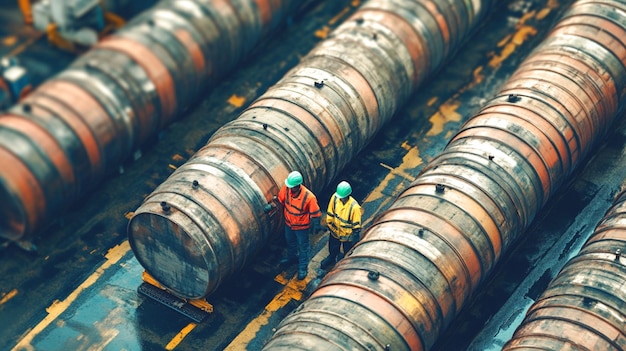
(206, 220)
(79, 125)
(422, 259)
(584, 306)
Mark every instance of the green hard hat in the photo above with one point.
(343, 189)
(293, 179)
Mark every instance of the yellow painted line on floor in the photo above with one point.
(325, 30)
(236, 100)
(338, 16)
(58, 307)
(523, 32)
(291, 291)
(512, 43)
(445, 113)
(322, 33)
(8, 296)
(383, 190)
(18, 50)
(178, 158)
(180, 336)
(9, 40)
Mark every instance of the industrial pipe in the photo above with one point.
(422, 259)
(79, 125)
(584, 306)
(314, 120)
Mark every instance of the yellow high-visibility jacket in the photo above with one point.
(344, 220)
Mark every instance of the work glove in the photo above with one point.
(316, 225)
(356, 235)
(271, 205)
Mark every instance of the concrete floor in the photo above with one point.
(79, 290)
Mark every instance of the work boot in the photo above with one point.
(287, 259)
(327, 262)
(301, 275)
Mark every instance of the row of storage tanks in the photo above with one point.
(421, 260)
(79, 125)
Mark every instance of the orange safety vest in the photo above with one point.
(299, 210)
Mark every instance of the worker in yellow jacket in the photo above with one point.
(343, 218)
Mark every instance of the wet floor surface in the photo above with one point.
(79, 290)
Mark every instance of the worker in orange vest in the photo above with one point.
(343, 218)
(301, 213)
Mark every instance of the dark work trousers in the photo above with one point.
(298, 242)
(334, 245)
